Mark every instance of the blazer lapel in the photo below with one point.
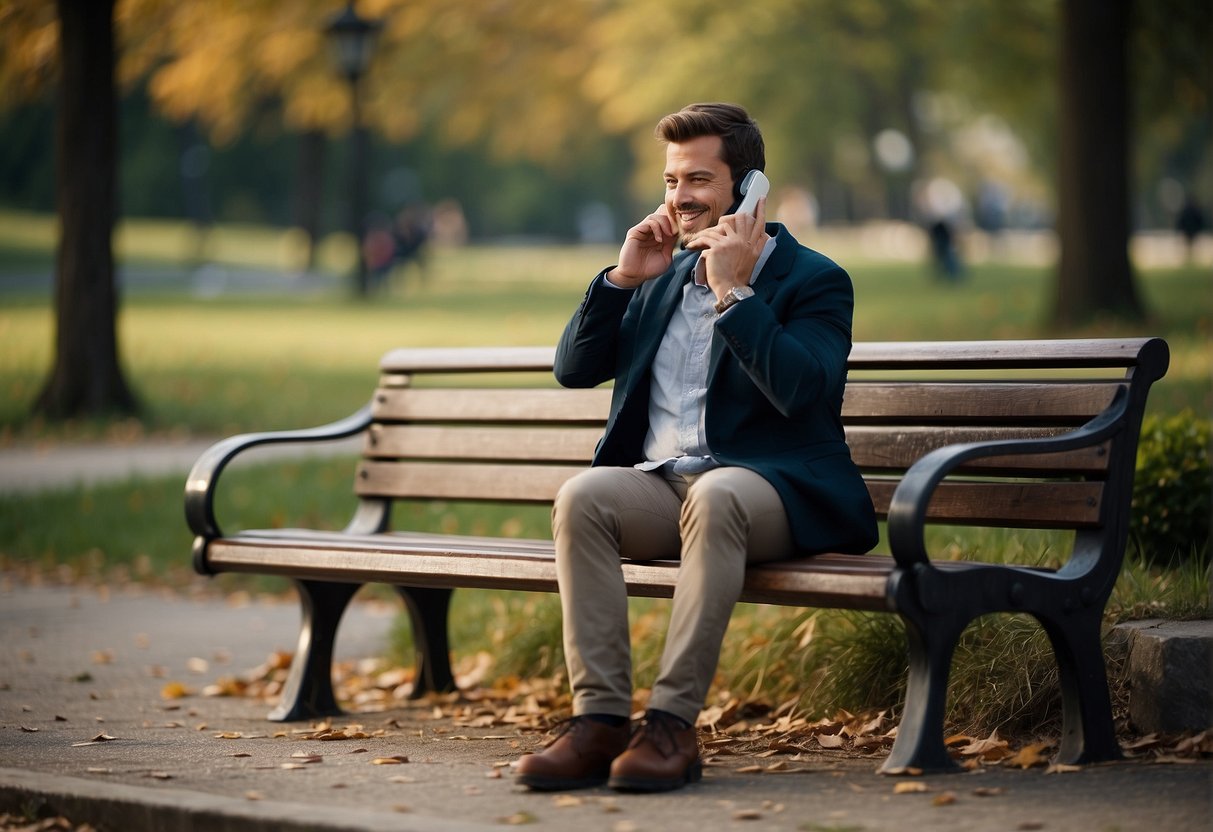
(656, 314)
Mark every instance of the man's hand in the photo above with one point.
(731, 248)
(648, 250)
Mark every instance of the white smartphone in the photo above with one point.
(754, 186)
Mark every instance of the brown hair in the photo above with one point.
(742, 149)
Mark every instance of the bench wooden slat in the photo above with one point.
(897, 448)
(454, 481)
(439, 561)
(1026, 354)
(548, 444)
(878, 355)
(881, 448)
(976, 402)
(480, 405)
(1034, 504)
(886, 402)
(1055, 505)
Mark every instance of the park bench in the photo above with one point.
(1011, 434)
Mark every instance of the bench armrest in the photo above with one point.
(908, 506)
(204, 477)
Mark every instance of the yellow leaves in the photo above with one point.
(175, 690)
(1031, 755)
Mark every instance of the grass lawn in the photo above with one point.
(212, 365)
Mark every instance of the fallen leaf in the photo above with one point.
(251, 795)
(992, 749)
(830, 740)
(400, 778)
(747, 814)
(564, 801)
(944, 799)
(910, 787)
(305, 757)
(390, 761)
(175, 690)
(160, 775)
(29, 730)
(987, 791)
(1031, 755)
(517, 819)
(1062, 768)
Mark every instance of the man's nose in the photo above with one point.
(680, 195)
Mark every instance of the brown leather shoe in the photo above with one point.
(663, 755)
(579, 758)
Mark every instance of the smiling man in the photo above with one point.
(727, 343)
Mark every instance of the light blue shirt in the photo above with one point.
(676, 438)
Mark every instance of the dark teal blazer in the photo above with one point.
(775, 384)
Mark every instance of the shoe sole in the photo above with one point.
(693, 774)
(556, 784)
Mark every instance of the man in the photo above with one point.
(724, 444)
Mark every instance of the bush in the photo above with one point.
(1173, 489)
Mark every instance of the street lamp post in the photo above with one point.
(353, 40)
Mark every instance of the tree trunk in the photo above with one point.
(86, 379)
(1093, 223)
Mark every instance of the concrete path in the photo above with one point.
(33, 468)
(75, 664)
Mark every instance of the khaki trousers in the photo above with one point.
(718, 520)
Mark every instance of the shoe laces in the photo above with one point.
(660, 729)
(565, 726)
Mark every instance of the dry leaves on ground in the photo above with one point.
(733, 726)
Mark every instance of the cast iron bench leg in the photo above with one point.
(309, 687)
(919, 744)
(1088, 735)
(428, 612)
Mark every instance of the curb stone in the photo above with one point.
(116, 806)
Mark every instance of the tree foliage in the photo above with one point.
(551, 83)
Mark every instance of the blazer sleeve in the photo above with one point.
(798, 355)
(587, 351)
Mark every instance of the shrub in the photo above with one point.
(1172, 489)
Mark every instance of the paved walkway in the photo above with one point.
(75, 664)
(33, 468)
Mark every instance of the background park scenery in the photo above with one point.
(518, 136)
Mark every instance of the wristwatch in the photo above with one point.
(732, 296)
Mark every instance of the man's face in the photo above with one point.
(698, 185)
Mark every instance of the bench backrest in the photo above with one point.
(454, 424)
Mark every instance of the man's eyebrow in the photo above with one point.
(704, 172)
